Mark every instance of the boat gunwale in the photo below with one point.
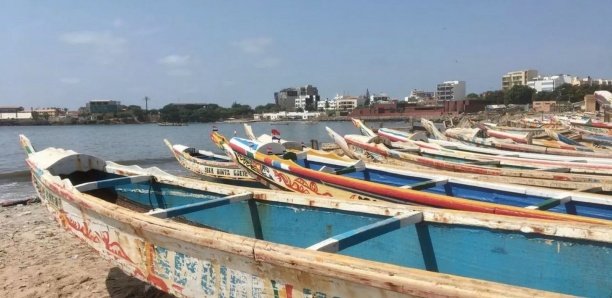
(380, 275)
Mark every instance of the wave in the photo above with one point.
(16, 176)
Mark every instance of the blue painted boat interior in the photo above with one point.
(471, 192)
(542, 262)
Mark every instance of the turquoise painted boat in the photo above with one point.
(311, 174)
(195, 238)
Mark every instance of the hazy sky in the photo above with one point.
(65, 53)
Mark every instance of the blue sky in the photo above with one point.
(64, 53)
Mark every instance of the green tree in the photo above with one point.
(519, 94)
(473, 96)
(496, 97)
(543, 96)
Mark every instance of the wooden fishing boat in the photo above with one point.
(450, 162)
(208, 164)
(436, 151)
(314, 175)
(459, 134)
(174, 234)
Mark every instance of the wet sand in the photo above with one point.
(39, 259)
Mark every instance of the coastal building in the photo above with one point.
(350, 102)
(379, 98)
(290, 99)
(419, 95)
(515, 78)
(451, 90)
(588, 81)
(10, 109)
(286, 116)
(544, 106)
(103, 106)
(549, 83)
(326, 105)
(15, 115)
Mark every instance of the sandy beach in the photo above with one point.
(39, 259)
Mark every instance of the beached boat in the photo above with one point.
(174, 233)
(432, 153)
(208, 164)
(466, 136)
(357, 180)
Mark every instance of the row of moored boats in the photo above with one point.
(481, 211)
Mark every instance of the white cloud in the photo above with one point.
(100, 39)
(254, 45)
(269, 62)
(70, 81)
(175, 60)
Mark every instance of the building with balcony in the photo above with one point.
(451, 90)
(103, 106)
(290, 99)
(588, 81)
(379, 98)
(515, 78)
(419, 95)
(326, 105)
(549, 83)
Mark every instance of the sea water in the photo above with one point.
(140, 144)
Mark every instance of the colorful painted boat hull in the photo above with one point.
(310, 179)
(239, 258)
(208, 167)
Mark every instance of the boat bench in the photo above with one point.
(367, 232)
(106, 183)
(550, 203)
(199, 206)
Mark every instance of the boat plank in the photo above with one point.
(361, 234)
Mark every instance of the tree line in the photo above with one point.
(521, 94)
(211, 112)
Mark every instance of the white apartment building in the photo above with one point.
(520, 77)
(418, 95)
(451, 90)
(382, 97)
(549, 83)
(331, 105)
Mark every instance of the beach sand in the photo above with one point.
(40, 259)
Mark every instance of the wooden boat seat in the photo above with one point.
(356, 167)
(112, 182)
(295, 156)
(182, 210)
(426, 184)
(484, 162)
(550, 203)
(367, 232)
(559, 170)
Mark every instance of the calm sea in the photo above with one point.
(135, 144)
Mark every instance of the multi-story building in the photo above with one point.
(549, 83)
(588, 81)
(103, 106)
(419, 95)
(285, 99)
(290, 99)
(520, 77)
(451, 90)
(381, 97)
(327, 105)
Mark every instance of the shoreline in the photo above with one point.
(39, 259)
